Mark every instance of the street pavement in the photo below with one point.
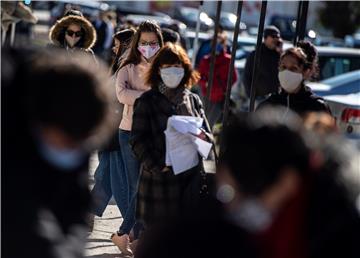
(99, 244)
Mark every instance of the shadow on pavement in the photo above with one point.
(109, 218)
(106, 256)
(98, 240)
(98, 246)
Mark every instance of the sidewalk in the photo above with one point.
(99, 244)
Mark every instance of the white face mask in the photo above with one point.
(64, 159)
(71, 41)
(172, 76)
(252, 216)
(289, 80)
(148, 51)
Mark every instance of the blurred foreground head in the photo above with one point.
(63, 100)
(270, 164)
(258, 146)
(261, 167)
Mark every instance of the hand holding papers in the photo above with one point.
(182, 146)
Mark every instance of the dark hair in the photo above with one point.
(298, 54)
(259, 145)
(134, 56)
(305, 54)
(66, 93)
(125, 37)
(172, 54)
(311, 55)
(170, 35)
(309, 49)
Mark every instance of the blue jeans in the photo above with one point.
(132, 170)
(110, 180)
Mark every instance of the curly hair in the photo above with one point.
(172, 54)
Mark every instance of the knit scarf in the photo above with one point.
(179, 97)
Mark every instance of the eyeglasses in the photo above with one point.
(77, 33)
(145, 43)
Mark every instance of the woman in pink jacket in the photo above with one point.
(130, 84)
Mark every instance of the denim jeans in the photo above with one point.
(132, 170)
(110, 180)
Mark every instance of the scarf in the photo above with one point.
(180, 97)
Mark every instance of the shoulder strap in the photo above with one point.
(198, 106)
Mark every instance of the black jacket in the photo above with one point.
(35, 193)
(151, 113)
(267, 75)
(301, 102)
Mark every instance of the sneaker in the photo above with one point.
(122, 242)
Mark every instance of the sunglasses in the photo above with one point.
(77, 33)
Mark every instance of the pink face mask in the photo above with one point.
(148, 51)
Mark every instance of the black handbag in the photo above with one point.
(199, 182)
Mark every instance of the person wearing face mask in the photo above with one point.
(221, 70)
(73, 32)
(293, 200)
(297, 65)
(48, 137)
(131, 84)
(266, 81)
(161, 193)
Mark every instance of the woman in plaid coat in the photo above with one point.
(161, 193)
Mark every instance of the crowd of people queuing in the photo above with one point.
(284, 183)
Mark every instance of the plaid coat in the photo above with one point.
(159, 193)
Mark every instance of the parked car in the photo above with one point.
(227, 21)
(332, 60)
(335, 61)
(342, 93)
(136, 19)
(286, 25)
(353, 40)
(189, 16)
(88, 8)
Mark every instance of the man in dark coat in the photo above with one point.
(267, 81)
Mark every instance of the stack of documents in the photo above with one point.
(182, 146)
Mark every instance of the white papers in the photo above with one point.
(202, 146)
(182, 146)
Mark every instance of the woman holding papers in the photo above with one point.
(161, 192)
